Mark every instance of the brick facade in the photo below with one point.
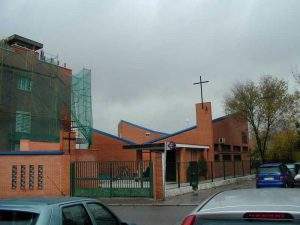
(231, 138)
(136, 133)
(200, 134)
(110, 147)
(55, 175)
(105, 147)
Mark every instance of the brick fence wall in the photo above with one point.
(34, 175)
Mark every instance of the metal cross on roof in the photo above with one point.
(200, 83)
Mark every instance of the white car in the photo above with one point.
(297, 179)
(248, 206)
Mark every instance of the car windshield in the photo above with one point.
(271, 169)
(17, 218)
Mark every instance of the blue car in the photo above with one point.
(274, 175)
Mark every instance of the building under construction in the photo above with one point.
(40, 99)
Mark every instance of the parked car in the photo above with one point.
(292, 168)
(56, 211)
(274, 175)
(297, 179)
(248, 206)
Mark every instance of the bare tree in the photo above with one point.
(266, 105)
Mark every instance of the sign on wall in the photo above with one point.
(170, 145)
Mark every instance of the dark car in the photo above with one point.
(56, 211)
(293, 167)
(274, 175)
(248, 207)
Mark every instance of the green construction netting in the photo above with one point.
(82, 107)
(39, 99)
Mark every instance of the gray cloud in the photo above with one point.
(145, 55)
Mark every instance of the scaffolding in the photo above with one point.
(81, 108)
(39, 99)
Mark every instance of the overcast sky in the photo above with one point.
(146, 54)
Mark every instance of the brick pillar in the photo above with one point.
(158, 182)
(184, 165)
(139, 155)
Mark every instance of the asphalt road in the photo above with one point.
(171, 211)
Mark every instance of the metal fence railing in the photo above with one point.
(111, 179)
(183, 172)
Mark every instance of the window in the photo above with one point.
(217, 157)
(226, 157)
(75, 215)
(23, 122)
(245, 149)
(237, 158)
(101, 215)
(226, 148)
(244, 138)
(236, 148)
(24, 83)
(216, 146)
(16, 146)
(271, 169)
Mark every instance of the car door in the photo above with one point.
(101, 214)
(75, 214)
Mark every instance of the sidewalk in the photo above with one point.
(175, 191)
(188, 199)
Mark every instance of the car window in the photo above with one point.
(17, 218)
(75, 215)
(101, 215)
(271, 169)
(291, 166)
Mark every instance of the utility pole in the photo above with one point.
(201, 83)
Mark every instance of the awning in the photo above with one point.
(151, 147)
(163, 146)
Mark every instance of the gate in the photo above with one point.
(111, 179)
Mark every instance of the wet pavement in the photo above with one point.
(169, 212)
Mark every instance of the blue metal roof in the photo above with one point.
(221, 118)
(144, 128)
(171, 135)
(113, 136)
(40, 152)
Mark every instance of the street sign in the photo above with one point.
(170, 145)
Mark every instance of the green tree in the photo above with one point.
(266, 105)
(283, 145)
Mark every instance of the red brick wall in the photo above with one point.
(27, 145)
(56, 175)
(230, 128)
(135, 134)
(201, 135)
(106, 148)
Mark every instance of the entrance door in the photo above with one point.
(171, 166)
